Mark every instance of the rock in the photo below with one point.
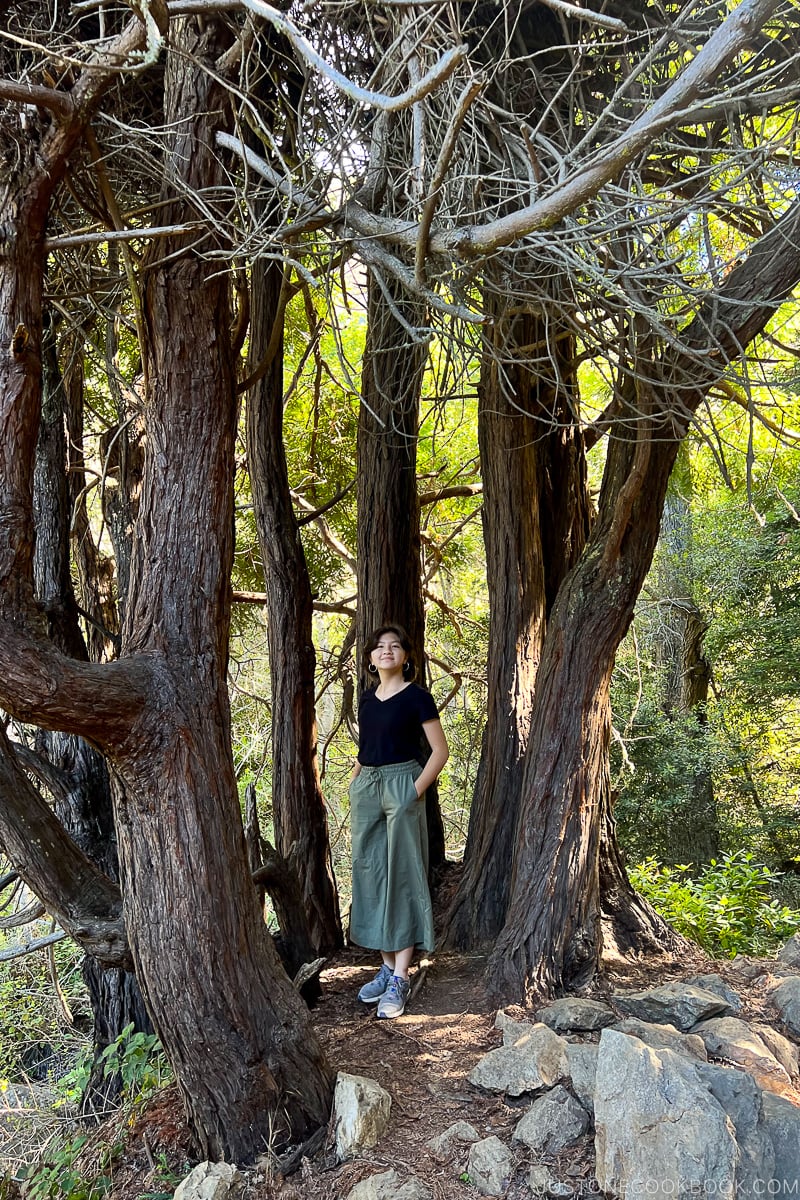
(783, 1126)
(576, 1013)
(389, 1186)
(442, 1147)
(536, 1060)
(361, 1109)
(553, 1121)
(790, 952)
(785, 1051)
(208, 1181)
(657, 1124)
(677, 1004)
(490, 1166)
(786, 999)
(664, 1037)
(741, 1098)
(716, 984)
(582, 1058)
(542, 1183)
(512, 1030)
(747, 967)
(730, 1038)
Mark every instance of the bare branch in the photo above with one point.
(334, 500)
(43, 97)
(451, 493)
(430, 80)
(440, 173)
(100, 237)
(357, 225)
(24, 916)
(587, 14)
(32, 946)
(328, 536)
(679, 103)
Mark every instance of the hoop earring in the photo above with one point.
(373, 670)
(406, 667)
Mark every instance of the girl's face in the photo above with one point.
(389, 654)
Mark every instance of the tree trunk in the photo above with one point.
(98, 583)
(300, 819)
(83, 804)
(551, 939)
(250, 1069)
(694, 826)
(535, 522)
(629, 922)
(389, 563)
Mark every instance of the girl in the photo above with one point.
(391, 909)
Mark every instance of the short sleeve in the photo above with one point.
(426, 707)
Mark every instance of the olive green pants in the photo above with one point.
(391, 901)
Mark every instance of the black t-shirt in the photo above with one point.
(390, 731)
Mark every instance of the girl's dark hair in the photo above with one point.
(409, 667)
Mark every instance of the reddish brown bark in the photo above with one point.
(299, 814)
(389, 563)
(551, 939)
(535, 521)
(82, 794)
(248, 1064)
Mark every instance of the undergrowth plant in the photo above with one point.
(81, 1168)
(728, 908)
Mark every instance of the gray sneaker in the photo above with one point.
(393, 1001)
(371, 992)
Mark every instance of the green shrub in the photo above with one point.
(60, 1178)
(727, 909)
(69, 1172)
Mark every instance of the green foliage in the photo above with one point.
(727, 909)
(34, 1037)
(139, 1061)
(78, 1169)
(737, 560)
(62, 1178)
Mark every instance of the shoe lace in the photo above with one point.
(397, 986)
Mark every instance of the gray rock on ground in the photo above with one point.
(537, 1059)
(741, 1098)
(785, 998)
(582, 1059)
(664, 1037)
(389, 1186)
(789, 953)
(442, 1146)
(734, 1040)
(361, 1109)
(208, 1181)
(576, 1013)
(490, 1166)
(512, 1030)
(783, 1126)
(542, 1183)
(657, 1124)
(716, 984)
(678, 1004)
(553, 1122)
(785, 1051)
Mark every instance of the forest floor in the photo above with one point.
(423, 1059)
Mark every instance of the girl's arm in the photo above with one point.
(440, 753)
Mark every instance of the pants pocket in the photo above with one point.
(413, 798)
